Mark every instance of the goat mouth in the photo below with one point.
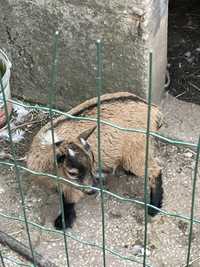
(91, 192)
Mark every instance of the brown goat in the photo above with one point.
(119, 149)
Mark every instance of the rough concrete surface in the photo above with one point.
(127, 29)
(184, 122)
(124, 222)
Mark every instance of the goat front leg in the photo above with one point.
(156, 192)
(69, 215)
(70, 197)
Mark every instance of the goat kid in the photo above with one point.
(74, 162)
(119, 149)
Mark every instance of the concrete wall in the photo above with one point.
(128, 29)
(158, 44)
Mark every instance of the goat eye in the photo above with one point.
(60, 158)
(73, 171)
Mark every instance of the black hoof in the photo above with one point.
(156, 196)
(69, 217)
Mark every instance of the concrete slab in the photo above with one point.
(129, 30)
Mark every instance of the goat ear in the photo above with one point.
(57, 144)
(85, 144)
(86, 134)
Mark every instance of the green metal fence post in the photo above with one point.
(99, 89)
(147, 156)
(193, 203)
(17, 171)
(2, 260)
(51, 95)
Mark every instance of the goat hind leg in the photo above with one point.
(135, 163)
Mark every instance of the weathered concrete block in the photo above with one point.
(129, 30)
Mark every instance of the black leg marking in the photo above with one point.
(156, 196)
(69, 215)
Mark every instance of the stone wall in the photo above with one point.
(128, 29)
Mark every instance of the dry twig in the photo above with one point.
(194, 86)
(8, 156)
(24, 251)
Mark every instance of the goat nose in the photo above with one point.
(91, 192)
(95, 182)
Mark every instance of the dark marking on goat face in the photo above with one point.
(79, 161)
(156, 196)
(57, 144)
(76, 161)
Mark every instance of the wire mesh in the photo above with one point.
(51, 97)
(2, 260)
(58, 179)
(17, 171)
(147, 158)
(99, 89)
(193, 203)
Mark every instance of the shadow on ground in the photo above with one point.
(184, 49)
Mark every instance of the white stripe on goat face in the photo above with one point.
(72, 153)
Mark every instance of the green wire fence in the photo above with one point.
(2, 259)
(70, 236)
(51, 97)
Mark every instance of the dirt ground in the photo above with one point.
(124, 222)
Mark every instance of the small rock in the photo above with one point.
(138, 250)
(188, 54)
(183, 226)
(188, 154)
(179, 170)
(190, 59)
(2, 191)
